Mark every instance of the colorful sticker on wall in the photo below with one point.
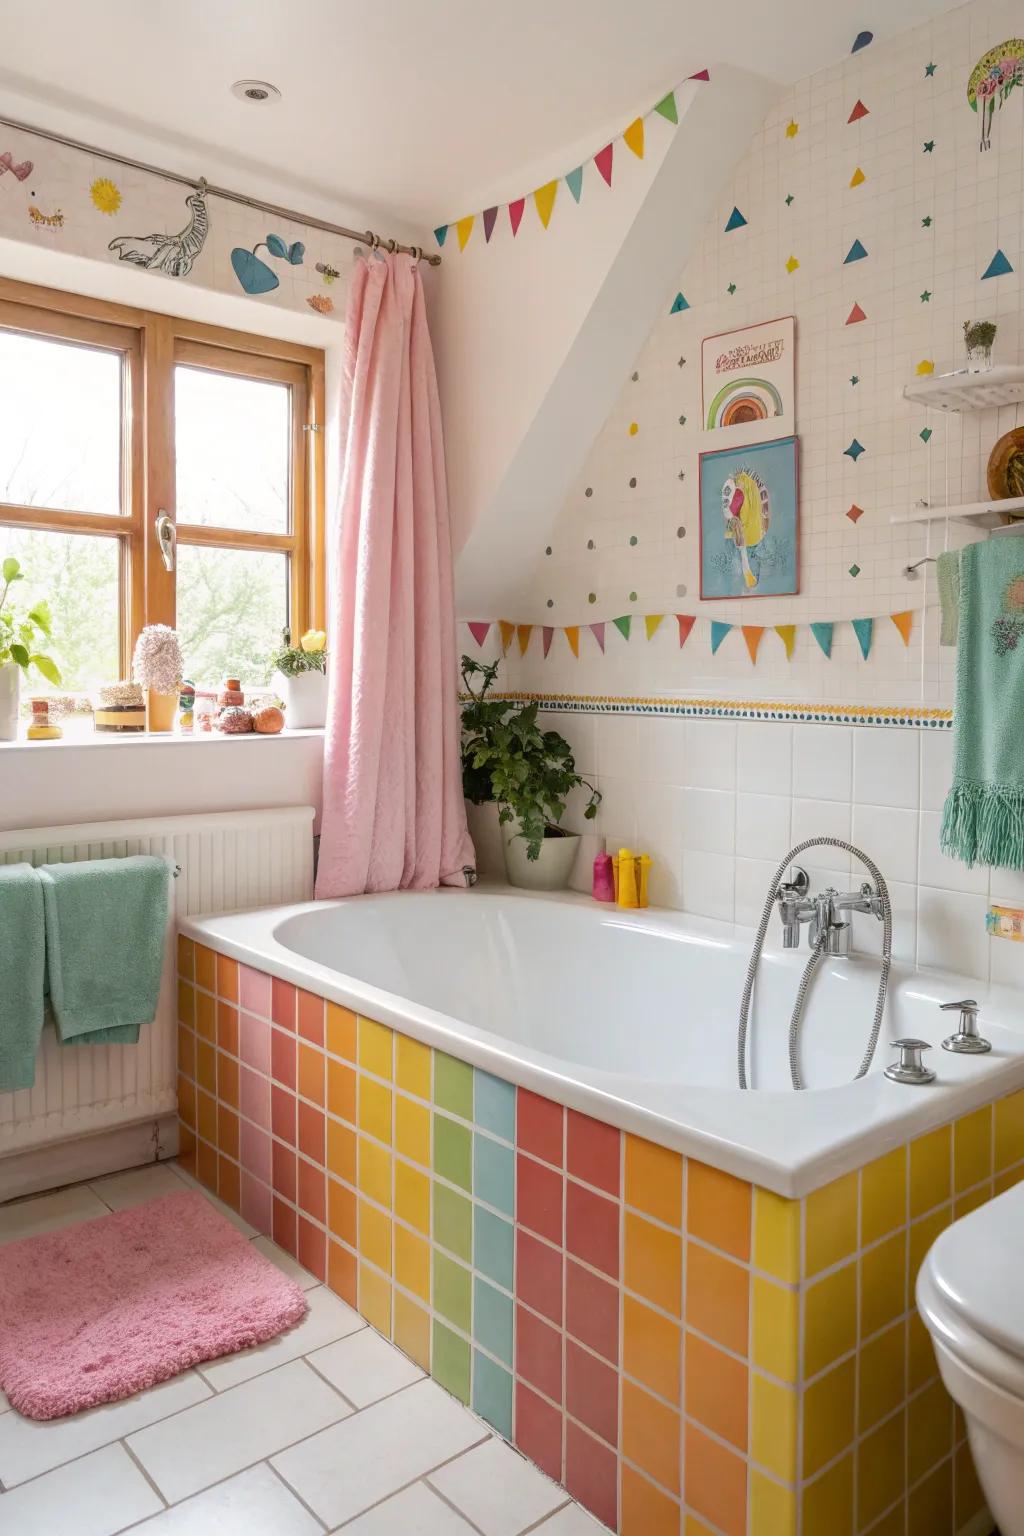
(747, 375)
(106, 195)
(748, 520)
(321, 303)
(41, 220)
(992, 79)
(21, 170)
(254, 274)
(173, 255)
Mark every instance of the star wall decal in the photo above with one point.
(929, 145)
(930, 69)
(926, 222)
(924, 434)
(926, 296)
(791, 265)
(789, 198)
(854, 378)
(792, 129)
(682, 474)
(854, 451)
(731, 288)
(681, 363)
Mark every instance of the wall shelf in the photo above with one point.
(965, 391)
(975, 514)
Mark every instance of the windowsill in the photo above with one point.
(152, 739)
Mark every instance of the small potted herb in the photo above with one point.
(302, 678)
(19, 636)
(527, 774)
(979, 336)
(157, 666)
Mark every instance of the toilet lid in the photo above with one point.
(975, 1268)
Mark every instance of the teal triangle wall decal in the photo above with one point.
(574, 181)
(863, 629)
(735, 220)
(823, 634)
(718, 633)
(441, 233)
(623, 625)
(855, 253)
(998, 266)
(678, 304)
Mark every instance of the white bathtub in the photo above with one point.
(631, 1017)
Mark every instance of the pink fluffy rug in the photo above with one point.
(92, 1313)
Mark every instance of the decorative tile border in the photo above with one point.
(915, 717)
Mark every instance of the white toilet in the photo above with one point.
(971, 1297)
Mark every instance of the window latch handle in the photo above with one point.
(166, 537)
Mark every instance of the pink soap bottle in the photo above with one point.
(603, 887)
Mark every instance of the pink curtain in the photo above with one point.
(394, 817)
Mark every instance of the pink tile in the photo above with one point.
(312, 1190)
(282, 1114)
(592, 1151)
(539, 1431)
(592, 1310)
(312, 1244)
(254, 1152)
(311, 1018)
(591, 1473)
(592, 1228)
(539, 1126)
(539, 1198)
(282, 1057)
(254, 1097)
(592, 1392)
(539, 1276)
(254, 1042)
(285, 1231)
(539, 1354)
(257, 1203)
(311, 1131)
(282, 1003)
(254, 991)
(285, 1176)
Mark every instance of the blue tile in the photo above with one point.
(495, 1105)
(492, 1394)
(494, 1174)
(492, 1320)
(493, 1247)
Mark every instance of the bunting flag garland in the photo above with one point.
(864, 630)
(572, 634)
(490, 219)
(479, 631)
(524, 631)
(718, 633)
(603, 161)
(574, 181)
(544, 201)
(752, 635)
(686, 623)
(904, 623)
(507, 630)
(787, 634)
(464, 228)
(547, 635)
(623, 625)
(823, 634)
(441, 234)
(597, 630)
(634, 137)
(651, 622)
(515, 214)
(666, 108)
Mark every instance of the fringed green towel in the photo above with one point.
(983, 821)
(21, 974)
(948, 570)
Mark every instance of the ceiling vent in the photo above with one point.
(257, 91)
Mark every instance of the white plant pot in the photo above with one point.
(10, 692)
(305, 699)
(549, 871)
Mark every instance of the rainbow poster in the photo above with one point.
(747, 380)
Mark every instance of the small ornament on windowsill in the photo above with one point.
(186, 707)
(157, 665)
(978, 337)
(42, 727)
(119, 708)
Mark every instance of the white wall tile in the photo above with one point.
(936, 768)
(763, 829)
(886, 767)
(764, 758)
(823, 762)
(889, 837)
(709, 820)
(951, 933)
(709, 884)
(618, 746)
(711, 754)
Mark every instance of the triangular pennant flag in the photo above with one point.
(507, 631)
(524, 631)
(603, 161)
(678, 304)
(651, 622)
(855, 316)
(572, 634)
(574, 181)
(547, 634)
(823, 634)
(863, 629)
(441, 233)
(998, 266)
(544, 200)
(702, 74)
(718, 633)
(734, 221)
(857, 177)
(787, 634)
(490, 219)
(752, 635)
(686, 623)
(904, 623)
(464, 228)
(667, 107)
(623, 625)
(855, 253)
(859, 111)
(479, 631)
(597, 630)
(634, 137)
(515, 214)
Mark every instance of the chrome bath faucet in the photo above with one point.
(828, 929)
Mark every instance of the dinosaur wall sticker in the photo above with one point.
(171, 254)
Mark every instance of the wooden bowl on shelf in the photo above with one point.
(1005, 471)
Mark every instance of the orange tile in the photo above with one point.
(227, 1080)
(227, 1027)
(646, 1510)
(186, 1147)
(717, 1297)
(650, 1435)
(227, 1131)
(206, 1016)
(227, 978)
(651, 1348)
(827, 1503)
(341, 1151)
(206, 1117)
(186, 957)
(187, 1102)
(341, 1031)
(311, 1073)
(186, 1051)
(375, 1299)
(716, 1482)
(229, 1182)
(654, 1263)
(206, 1165)
(341, 1212)
(341, 1273)
(716, 1391)
(311, 1018)
(206, 1066)
(186, 1003)
(206, 968)
(341, 1090)
(718, 1209)
(654, 1180)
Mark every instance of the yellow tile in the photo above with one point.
(772, 1507)
(374, 1236)
(972, 1149)
(340, 1035)
(1009, 1117)
(412, 1130)
(979, 1195)
(777, 1235)
(206, 967)
(374, 1109)
(412, 1066)
(206, 1016)
(883, 1284)
(880, 1470)
(412, 1197)
(930, 1170)
(922, 1234)
(376, 1043)
(375, 1299)
(412, 1330)
(882, 1376)
(776, 1328)
(921, 1363)
(412, 1262)
(186, 957)
(773, 1427)
(883, 1196)
(930, 1505)
(893, 1523)
(828, 1415)
(1004, 1181)
(375, 1172)
(827, 1503)
(929, 1430)
(831, 1223)
(830, 1318)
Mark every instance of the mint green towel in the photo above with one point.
(22, 946)
(948, 571)
(983, 820)
(106, 923)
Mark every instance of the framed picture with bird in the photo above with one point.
(749, 520)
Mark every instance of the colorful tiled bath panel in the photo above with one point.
(686, 1352)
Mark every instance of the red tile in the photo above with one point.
(593, 1152)
(255, 1152)
(257, 1203)
(311, 1131)
(311, 1018)
(312, 1248)
(539, 1431)
(254, 1097)
(539, 1354)
(539, 1276)
(254, 1042)
(285, 1232)
(282, 1113)
(254, 991)
(312, 1190)
(539, 1198)
(282, 1003)
(539, 1126)
(284, 1171)
(591, 1473)
(592, 1228)
(592, 1310)
(592, 1392)
(282, 1057)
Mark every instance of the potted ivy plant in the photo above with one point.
(978, 338)
(301, 672)
(19, 638)
(527, 773)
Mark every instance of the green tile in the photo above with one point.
(449, 1361)
(492, 1320)
(492, 1393)
(495, 1105)
(453, 1221)
(494, 1174)
(453, 1085)
(452, 1291)
(453, 1152)
(493, 1246)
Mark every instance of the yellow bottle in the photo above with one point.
(626, 893)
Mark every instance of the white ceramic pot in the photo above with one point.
(10, 692)
(305, 699)
(550, 870)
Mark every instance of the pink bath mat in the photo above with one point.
(93, 1313)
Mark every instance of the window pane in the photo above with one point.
(232, 607)
(77, 573)
(60, 410)
(233, 450)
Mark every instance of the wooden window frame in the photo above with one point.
(152, 344)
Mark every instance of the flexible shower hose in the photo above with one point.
(812, 965)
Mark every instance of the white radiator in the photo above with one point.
(228, 862)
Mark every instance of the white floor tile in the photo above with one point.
(96, 1496)
(236, 1429)
(414, 1512)
(365, 1367)
(352, 1466)
(285, 1263)
(497, 1489)
(29, 1447)
(43, 1213)
(571, 1521)
(255, 1503)
(137, 1185)
(229, 1215)
(328, 1319)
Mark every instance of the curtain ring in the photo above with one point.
(392, 247)
(417, 254)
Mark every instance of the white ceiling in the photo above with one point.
(423, 109)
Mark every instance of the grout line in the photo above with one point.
(132, 1456)
(539, 1525)
(425, 1480)
(289, 1489)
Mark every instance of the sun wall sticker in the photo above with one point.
(106, 195)
(992, 79)
(171, 254)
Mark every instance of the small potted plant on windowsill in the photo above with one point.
(19, 636)
(301, 672)
(528, 774)
(157, 666)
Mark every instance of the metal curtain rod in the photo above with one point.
(227, 196)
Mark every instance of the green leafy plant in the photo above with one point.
(19, 633)
(979, 333)
(310, 655)
(507, 758)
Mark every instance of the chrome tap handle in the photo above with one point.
(910, 1068)
(966, 1041)
(794, 908)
